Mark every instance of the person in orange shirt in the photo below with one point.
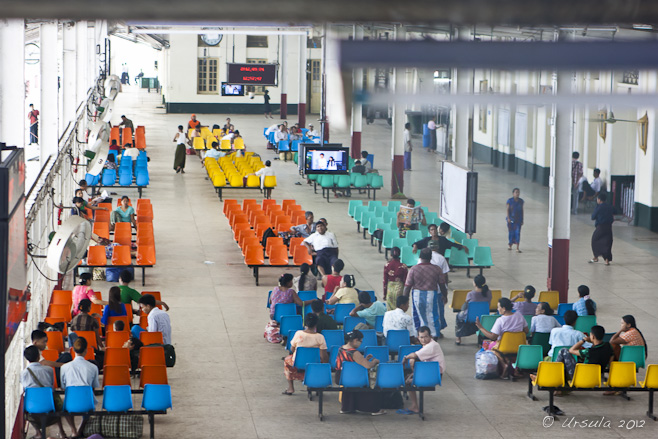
(193, 123)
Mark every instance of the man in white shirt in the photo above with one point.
(265, 172)
(79, 372)
(325, 246)
(407, 146)
(131, 151)
(311, 131)
(214, 152)
(272, 129)
(398, 319)
(321, 163)
(431, 128)
(280, 135)
(158, 320)
(597, 183)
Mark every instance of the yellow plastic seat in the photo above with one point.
(622, 374)
(235, 180)
(270, 181)
(551, 297)
(514, 293)
(217, 132)
(238, 143)
(495, 297)
(549, 374)
(225, 144)
(586, 376)
(253, 181)
(219, 180)
(205, 132)
(458, 299)
(209, 140)
(198, 143)
(651, 378)
(510, 342)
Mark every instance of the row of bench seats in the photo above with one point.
(249, 223)
(232, 172)
(201, 143)
(550, 297)
(125, 135)
(361, 182)
(124, 176)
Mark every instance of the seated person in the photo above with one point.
(308, 338)
(325, 245)
(40, 340)
(358, 168)
(584, 306)
(305, 282)
(284, 293)
(80, 210)
(352, 402)
(368, 310)
(118, 326)
(565, 335)
(398, 319)
(431, 351)
(158, 320)
(110, 163)
(133, 345)
(346, 293)
(599, 353)
(38, 375)
(129, 295)
(311, 131)
(409, 217)
(591, 190)
(480, 293)
(114, 308)
(331, 282)
(124, 213)
(131, 152)
(628, 335)
(526, 307)
(367, 163)
(85, 321)
(304, 230)
(437, 240)
(214, 152)
(114, 146)
(543, 321)
(324, 321)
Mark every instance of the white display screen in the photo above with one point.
(454, 186)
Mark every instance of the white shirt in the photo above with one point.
(43, 373)
(543, 323)
(272, 129)
(332, 165)
(180, 138)
(398, 320)
(131, 152)
(264, 172)
(580, 183)
(407, 141)
(440, 261)
(79, 372)
(431, 125)
(158, 321)
(596, 184)
(319, 242)
(432, 352)
(280, 135)
(312, 133)
(322, 163)
(229, 136)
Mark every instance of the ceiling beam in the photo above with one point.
(507, 12)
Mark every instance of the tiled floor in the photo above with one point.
(227, 380)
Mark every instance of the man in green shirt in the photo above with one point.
(129, 295)
(324, 321)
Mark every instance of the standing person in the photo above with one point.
(33, 116)
(395, 274)
(603, 217)
(576, 173)
(127, 123)
(268, 108)
(431, 128)
(265, 172)
(423, 282)
(325, 245)
(408, 147)
(514, 219)
(181, 140)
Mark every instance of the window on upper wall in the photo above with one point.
(256, 89)
(631, 77)
(256, 41)
(314, 43)
(207, 75)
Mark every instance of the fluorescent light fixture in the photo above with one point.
(643, 26)
(198, 31)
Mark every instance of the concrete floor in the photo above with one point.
(227, 380)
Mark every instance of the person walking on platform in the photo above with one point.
(268, 108)
(407, 146)
(179, 158)
(603, 217)
(514, 219)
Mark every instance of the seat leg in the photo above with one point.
(551, 410)
(143, 276)
(421, 405)
(364, 233)
(152, 425)
(315, 187)
(624, 395)
(139, 189)
(358, 227)
(650, 411)
(256, 274)
(43, 426)
(530, 388)
(219, 191)
(380, 246)
(374, 194)
(320, 405)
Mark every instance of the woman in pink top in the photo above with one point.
(332, 281)
(84, 291)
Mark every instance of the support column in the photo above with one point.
(399, 119)
(69, 67)
(357, 107)
(48, 138)
(559, 210)
(462, 81)
(83, 82)
(284, 76)
(13, 114)
(301, 106)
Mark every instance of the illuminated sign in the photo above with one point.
(252, 74)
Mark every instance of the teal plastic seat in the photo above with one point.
(361, 181)
(437, 221)
(487, 322)
(470, 244)
(312, 177)
(358, 211)
(377, 181)
(424, 231)
(369, 177)
(636, 354)
(379, 211)
(407, 256)
(458, 236)
(431, 216)
(391, 218)
(365, 221)
(353, 178)
(327, 181)
(372, 205)
(352, 207)
(399, 242)
(394, 206)
(342, 181)
(556, 351)
(541, 339)
(482, 257)
(458, 258)
(387, 239)
(585, 323)
(413, 236)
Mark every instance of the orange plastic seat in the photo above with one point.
(286, 203)
(62, 297)
(248, 201)
(293, 208)
(145, 227)
(55, 341)
(115, 134)
(272, 242)
(260, 219)
(90, 336)
(268, 203)
(151, 338)
(256, 213)
(102, 216)
(121, 255)
(254, 255)
(274, 213)
(241, 218)
(244, 235)
(249, 242)
(145, 239)
(116, 339)
(117, 357)
(301, 256)
(110, 323)
(60, 311)
(129, 311)
(278, 255)
(50, 354)
(282, 219)
(228, 203)
(283, 227)
(102, 229)
(152, 356)
(234, 210)
(116, 375)
(143, 321)
(261, 228)
(298, 217)
(156, 294)
(145, 255)
(153, 374)
(239, 228)
(53, 320)
(123, 235)
(91, 354)
(96, 255)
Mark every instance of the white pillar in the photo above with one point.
(301, 108)
(13, 114)
(357, 107)
(399, 119)
(82, 73)
(462, 82)
(69, 67)
(49, 135)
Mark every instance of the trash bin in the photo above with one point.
(416, 121)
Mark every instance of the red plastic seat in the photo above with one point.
(116, 339)
(227, 204)
(111, 320)
(117, 357)
(55, 341)
(152, 356)
(62, 297)
(272, 242)
(61, 311)
(102, 229)
(151, 338)
(153, 374)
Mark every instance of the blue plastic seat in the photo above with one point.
(126, 161)
(354, 375)
(295, 145)
(318, 376)
(109, 177)
(373, 296)
(284, 309)
(564, 307)
(333, 337)
(157, 397)
(427, 374)
(79, 399)
(290, 335)
(142, 179)
(265, 131)
(477, 309)
(390, 376)
(406, 350)
(92, 180)
(379, 324)
(307, 295)
(290, 323)
(378, 352)
(39, 400)
(304, 356)
(369, 339)
(117, 398)
(333, 355)
(125, 177)
(284, 145)
(342, 311)
(350, 322)
(396, 338)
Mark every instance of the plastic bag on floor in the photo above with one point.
(486, 365)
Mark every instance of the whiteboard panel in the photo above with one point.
(520, 131)
(453, 195)
(503, 126)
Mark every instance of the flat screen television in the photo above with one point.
(232, 89)
(326, 159)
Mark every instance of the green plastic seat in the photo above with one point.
(585, 323)
(379, 211)
(458, 258)
(636, 354)
(296, 158)
(437, 221)
(528, 357)
(350, 163)
(361, 181)
(377, 181)
(407, 256)
(365, 220)
(352, 207)
(541, 339)
(342, 181)
(487, 322)
(556, 351)
(399, 242)
(358, 211)
(394, 206)
(482, 257)
(528, 320)
(369, 177)
(458, 236)
(388, 237)
(353, 178)
(312, 177)
(372, 205)
(470, 244)
(327, 181)
(374, 223)
(391, 218)
(413, 236)
(431, 216)
(423, 231)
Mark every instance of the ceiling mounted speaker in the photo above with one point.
(69, 244)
